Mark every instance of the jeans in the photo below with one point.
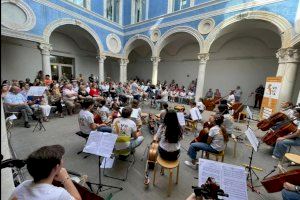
(282, 146)
(105, 129)
(290, 195)
(134, 143)
(197, 146)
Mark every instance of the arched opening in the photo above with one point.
(243, 54)
(296, 92)
(179, 61)
(139, 54)
(74, 51)
(112, 69)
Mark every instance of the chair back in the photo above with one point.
(122, 146)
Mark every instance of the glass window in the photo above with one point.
(180, 4)
(81, 3)
(112, 10)
(139, 10)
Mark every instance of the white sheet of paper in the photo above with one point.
(195, 114)
(232, 179)
(135, 113)
(252, 138)
(100, 143)
(36, 91)
(107, 163)
(249, 112)
(12, 117)
(181, 118)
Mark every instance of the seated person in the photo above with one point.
(115, 113)
(16, 102)
(86, 119)
(286, 108)
(94, 92)
(169, 134)
(163, 112)
(124, 126)
(173, 95)
(55, 100)
(137, 119)
(82, 93)
(231, 98)
(209, 94)
(163, 97)
(217, 94)
(194, 110)
(103, 111)
(112, 92)
(190, 95)
(290, 191)
(40, 103)
(292, 139)
(200, 105)
(228, 119)
(216, 142)
(182, 96)
(69, 97)
(46, 165)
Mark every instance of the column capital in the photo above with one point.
(45, 48)
(288, 55)
(155, 59)
(124, 61)
(101, 58)
(203, 57)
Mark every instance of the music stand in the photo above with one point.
(39, 124)
(100, 144)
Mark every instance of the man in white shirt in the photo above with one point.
(231, 98)
(164, 97)
(46, 165)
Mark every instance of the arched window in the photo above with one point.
(112, 10)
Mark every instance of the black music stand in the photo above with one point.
(99, 184)
(39, 124)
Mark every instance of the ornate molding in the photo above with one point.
(129, 46)
(287, 55)
(155, 35)
(155, 60)
(206, 25)
(101, 58)
(203, 57)
(53, 25)
(30, 16)
(45, 48)
(110, 40)
(124, 62)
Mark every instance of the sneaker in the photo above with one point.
(190, 164)
(274, 157)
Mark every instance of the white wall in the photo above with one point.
(19, 59)
(86, 62)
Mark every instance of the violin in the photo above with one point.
(203, 135)
(266, 124)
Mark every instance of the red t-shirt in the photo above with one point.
(94, 92)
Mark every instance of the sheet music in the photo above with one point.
(181, 118)
(100, 143)
(195, 114)
(12, 117)
(232, 179)
(135, 113)
(107, 163)
(36, 91)
(252, 138)
(249, 112)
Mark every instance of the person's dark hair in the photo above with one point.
(87, 103)
(173, 129)
(165, 106)
(193, 103)
(223, 101)
(223, 109)
(47, 75)
(163, 88)
(126, 112)
(41, 162)
(134, 103)
(103, 102)
(297, 110)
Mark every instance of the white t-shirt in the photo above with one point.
(164, 95)
(126, 126)
(228, 123)
(200, 106)
(85, 119)
(231, 99)
(28, 190)
(218, 139)
(165, 145)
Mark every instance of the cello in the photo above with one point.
(203, 135)
(266, 124)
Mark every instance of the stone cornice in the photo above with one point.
(288, 55)
(155, 59)
(124, 62)
(203, 57)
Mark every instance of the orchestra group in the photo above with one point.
(114, 107)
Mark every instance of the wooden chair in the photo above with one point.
(191, 125)
(169, 165)
(217, 155)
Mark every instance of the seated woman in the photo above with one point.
(228, 119)
(115, 113)
(169, 134)
(216, 142)
(55, 99)
(182, 96)
(135, 108)
(82, 93)
(163, 112)
(95, 93)
(41, 103)
(124, 126)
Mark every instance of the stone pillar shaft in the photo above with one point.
(123, 70)
(203, 58)
(45, 50)
(155, 61)
(101, 59)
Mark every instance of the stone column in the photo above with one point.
(155, 61)
(101, 59)
(123, 70)
(287, 68)
(45, 50)
(203, 58)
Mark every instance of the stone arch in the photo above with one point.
(180, 29)
(52, 26)
(295, 40)
(285, 29)
(129, 46)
